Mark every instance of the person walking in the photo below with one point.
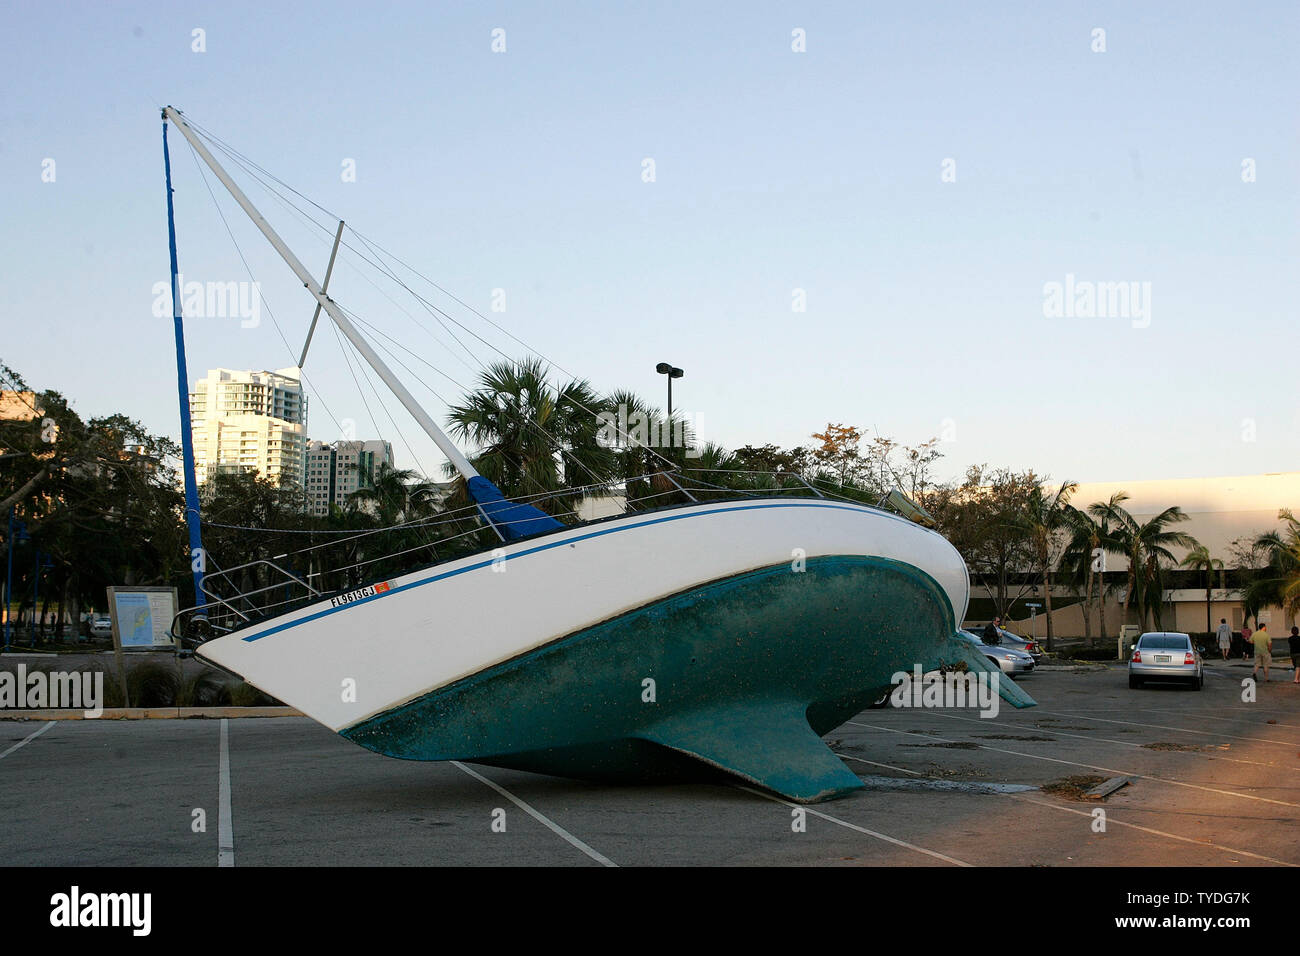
(1225, 637)
(1263, 651)
(1293, 643)
(1246, 632)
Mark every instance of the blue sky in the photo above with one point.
(775, 171)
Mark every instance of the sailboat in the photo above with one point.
(724, 632)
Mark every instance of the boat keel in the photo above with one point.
(768, 743)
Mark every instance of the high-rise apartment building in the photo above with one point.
(336, 470)
(250, 421)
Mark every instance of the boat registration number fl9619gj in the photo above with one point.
(348, 597)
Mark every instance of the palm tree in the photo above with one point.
(398, 495)
(1087, 536)
(532, 438)
(1101, 513)
(1199, 559)
(1042, 520)
(1279, 582)
(648, 447)
(1147, 546)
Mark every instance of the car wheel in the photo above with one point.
(1134, 682)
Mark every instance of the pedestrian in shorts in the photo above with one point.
(1225, 637)
(1263, 651)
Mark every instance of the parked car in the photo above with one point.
(1167, 656)
(101, 627)
(1030, 647)
(1011, 660)
(1014, 641)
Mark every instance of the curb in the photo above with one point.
(151, 713)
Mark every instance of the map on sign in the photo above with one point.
(143, 616)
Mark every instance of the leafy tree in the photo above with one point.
(771, 459)
(98, 499)
(894, 464)
(838, 455)
(982, 518)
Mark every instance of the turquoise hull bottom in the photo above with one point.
(739, 676)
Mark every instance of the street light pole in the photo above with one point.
(667, 368)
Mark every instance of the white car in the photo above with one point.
(1166, 656)
(101, 627)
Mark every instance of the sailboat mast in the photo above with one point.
(454, 454)
(197, 556)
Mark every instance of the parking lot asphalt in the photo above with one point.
(1215, 780)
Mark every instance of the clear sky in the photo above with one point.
(774, 171)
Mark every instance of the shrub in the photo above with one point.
(153, 684)
(204, 689)
(243, 694)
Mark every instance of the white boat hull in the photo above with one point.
(346, 659)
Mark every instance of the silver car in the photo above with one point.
(1014, 641)
(1166, 656)
(1009, 659)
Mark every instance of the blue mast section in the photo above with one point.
(198, 558)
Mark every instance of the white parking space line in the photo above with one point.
(1196, 715)
(1181, 730)
(28, 739)
(1074, 763)
(539, 817)
(1208, 755)
(915, 773)
(225, 822)
(1110, 819)
(1239, 708)
(853, 826)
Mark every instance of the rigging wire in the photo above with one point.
(258, 286)
(270, 312)
(375, 259)
(553, 439)
(366, 375)
(245, 163)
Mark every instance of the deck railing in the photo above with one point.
(345, 560)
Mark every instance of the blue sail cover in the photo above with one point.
(512, 520)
